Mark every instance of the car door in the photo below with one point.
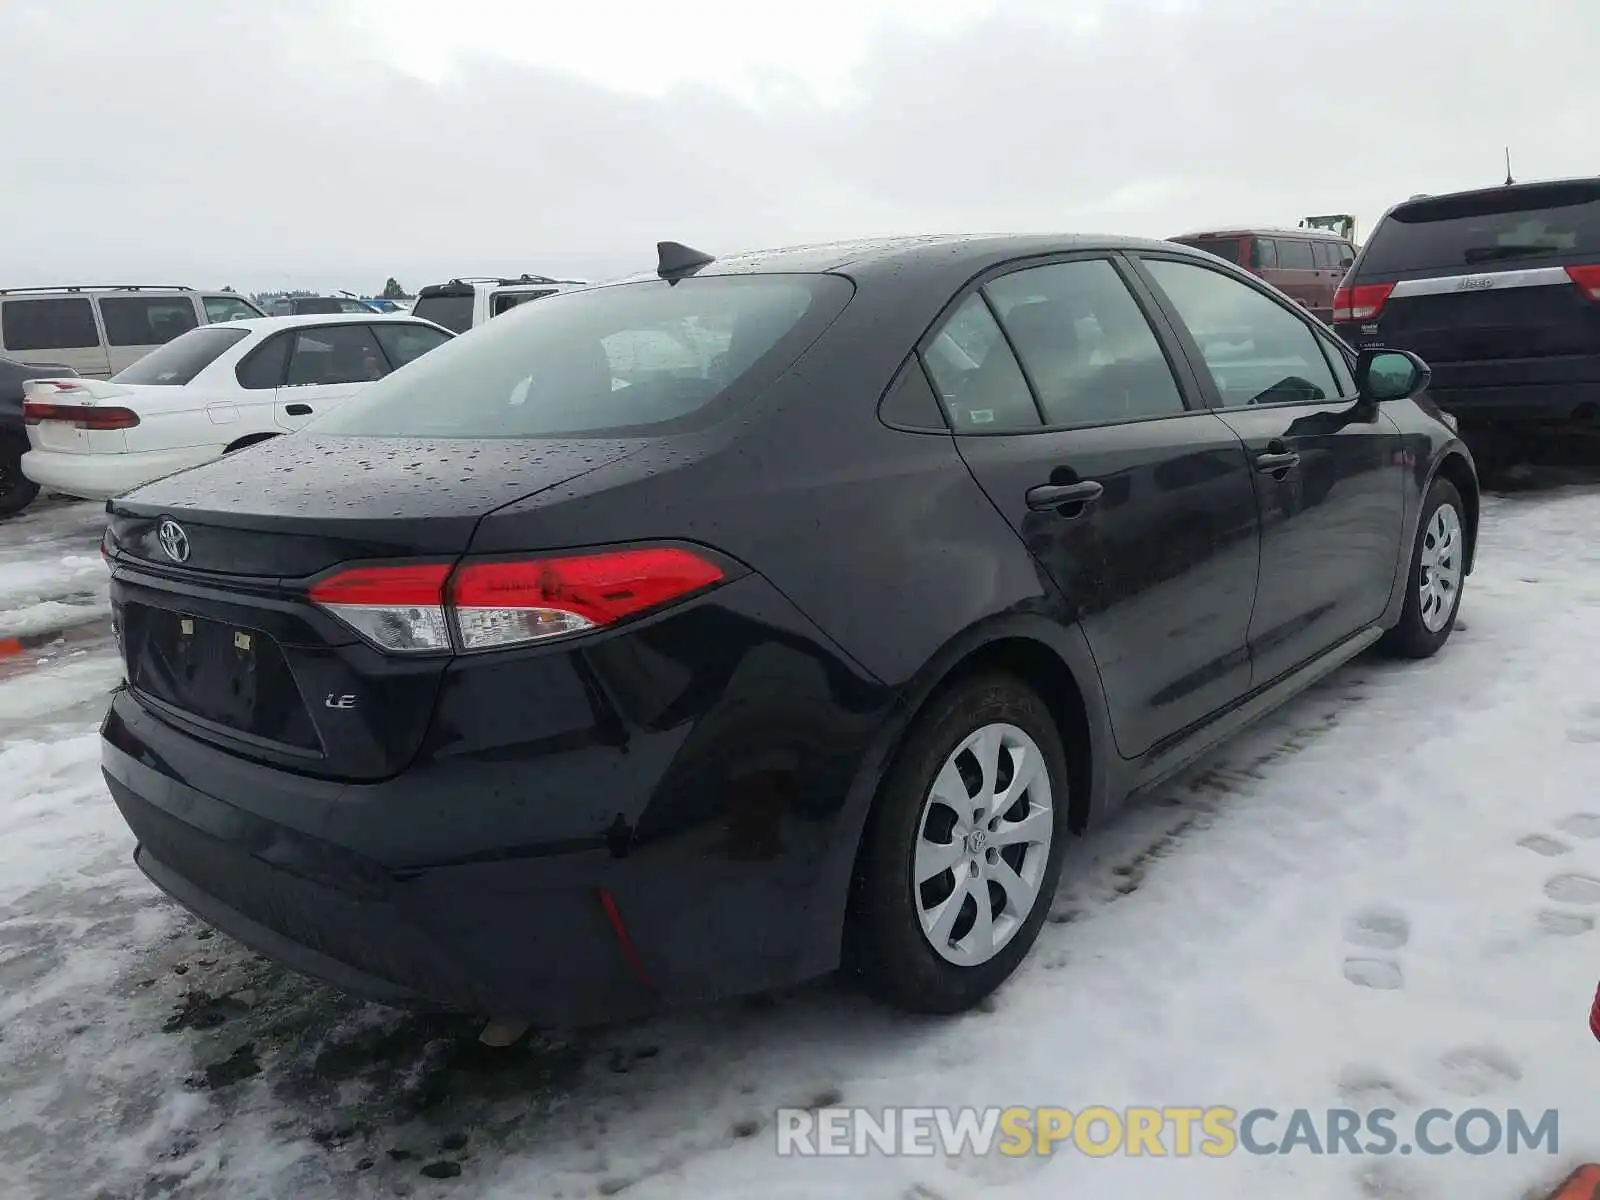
(1137, 504)
(54, 329)
(327, 364)
(1327, 470)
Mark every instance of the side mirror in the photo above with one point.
(1347, 262)
(1390, 374)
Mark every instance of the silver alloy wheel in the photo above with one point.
(1439, 580)
(983, 839)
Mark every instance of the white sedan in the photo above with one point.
(206, 393)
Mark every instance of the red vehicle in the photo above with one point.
(1307, 265)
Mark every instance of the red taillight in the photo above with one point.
(507, 603)
(84, 416)
(1362, 303)
(1587, 277)
(399, 608)
(504, 603)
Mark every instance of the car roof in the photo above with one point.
(941, 252)
(1268, 230)
(297, 320)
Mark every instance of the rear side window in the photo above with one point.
(336, 354)
(1089, 351)
(1294, 254)
(451, 311)
(505, 301)
(1224, 248)
(228, 308)
(404, 342)
(977, 377)
(146, 320)
(264, 366)
(641, 358)
(1325, 255)
(65, 323)
(1545, 223)
(181, 359)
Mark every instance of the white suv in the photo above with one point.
(464, 304)
(97, 331)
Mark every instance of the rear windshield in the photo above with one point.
(184, 357)
(453, 312)
(316, 306)
(1487, 228)
(1227, 248)
(631, 359)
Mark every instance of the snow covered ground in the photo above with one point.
(1384, 897)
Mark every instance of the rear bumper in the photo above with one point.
(102, 476)
(1552, 404)
(687, 839)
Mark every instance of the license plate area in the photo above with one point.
(227, 675)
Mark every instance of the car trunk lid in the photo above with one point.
(213, 571)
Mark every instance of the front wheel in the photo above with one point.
(963, 849)
(1438, 571)
(16, 489)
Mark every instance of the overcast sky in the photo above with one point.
(331, 143)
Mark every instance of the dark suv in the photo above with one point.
(1499, 290)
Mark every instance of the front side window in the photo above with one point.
(403, 342)
(1257, 351)
(1089, 351)
(979, 383)
(146, 320)
(228, 308)
(335, 354)
(630, 359)
(181, 359)
(1263, 254)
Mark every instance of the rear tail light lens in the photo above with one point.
(1362, 303)
(506, 603)
(397, 608)
(84, 416)
(494, 604)
(1587, 278)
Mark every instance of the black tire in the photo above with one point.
(1411, 637)
(885, 944)
(16, 489)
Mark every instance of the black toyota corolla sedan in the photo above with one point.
(702, 632)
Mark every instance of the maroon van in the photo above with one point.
(1307, 265)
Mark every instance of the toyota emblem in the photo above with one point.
(173, 540)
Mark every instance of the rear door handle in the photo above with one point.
(298, 410)
(1273, 462)
(1057, 495)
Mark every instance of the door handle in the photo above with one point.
(1058, 495)
(1272, 462)
(298, 410)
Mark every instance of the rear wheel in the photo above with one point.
(963, 849)
(1438, 571)
(16, 489)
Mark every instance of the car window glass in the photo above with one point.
(1294, 254)
(336, 354)
(227, 308)
(1223, 247)
(1343, 374)
(1263, 254)
(504, 301)
(979, 383)
(647, 357)
(263, 367)
(451, 309)
(146, 320)
(404, 342)
(1324, 255)
(1536, 223)
(1257, 351)
(66, 323)
(180, 360)
(1089, 351)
